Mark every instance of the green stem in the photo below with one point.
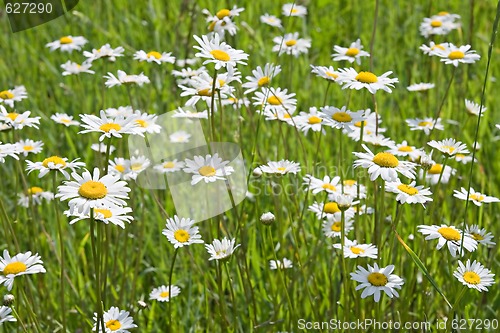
(170, 290)
(61, 248)
(96, 253)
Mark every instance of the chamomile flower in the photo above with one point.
(434, 173)
(449, 147)
(281, 167)
(291, 44)
(292, 9)
(164, 293)
(64, 119)
(124, 78)
(261, 77)
(10, 96)
(26, 147)
(179, 137)
(420, 86)
(221, 250)
(146, 122)
(190, 113)
(121, 111)
(271, 20)
(5, 315)
(474, 275)
(350, 78)
(409, 193)
(280, 264)
(275, 98)
(378, 139)
(464, 159)
(209, 168)
(332, 227)
(92, 191)
(36, 195)
(109, 127)
(453, 55)
(73, 68)
(20, 264)
(67, 43)
(482, 236)
(169, 166)
(137, 165)
(352, 53)
(312, 120)
(18, 120)
(327, 73)
(403, 149)
(384, 165)
(181, 232)
(154, 56)
(327, 184)
(354, 250)
(374, 280)
(438, 25)
(450, 236)
(474, 109)
(54, 163)
(476, 197)
(341, 118)
(425, 124)
(106, 215)
(115, 321)
(8, 149)
(105, 51)
(119, 166)
(219, 53)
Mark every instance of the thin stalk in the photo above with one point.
(61, 249)
(170, 274)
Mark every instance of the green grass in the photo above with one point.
(255, 298)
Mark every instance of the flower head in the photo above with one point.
(350, 78)
(20, 264)
(352, 53)
(450, 236)
(219, 53)
(164, 293)
(209, 168)
(181, 232)
(115, 321)
(374, 280)
(68, 43)
(221, 250)
(474, 275)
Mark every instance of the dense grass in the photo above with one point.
(255, 297)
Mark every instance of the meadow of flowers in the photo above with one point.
(366, 187)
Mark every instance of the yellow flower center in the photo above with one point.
(205, 92)
(366, 77)
(405, 149)
(109, 127)
(425, 124)
(436, 23)
(223, 13)
(66, 40)
(263, 81)
(28, 148)
(15, 267)
(476, 197)
(274, 100)
(281, 169)
(6, 94)
(329, 187)
(105, 212)
(438, 46)
(331, 208)
(472, 277)
(113, 324)
(456, 55)
(377, 279)
(207, 171)
(443, 13)
(386, 160)
(359, 123)
(221, 82)
(342, 117)
(294, 11)
(34, 190)
(449, 233)
(66, 120)
(349, 182)
(477, 237)
(457, 156)
(352, 51)
(141, 123)
(407, 189)
(436, 169)
(136, 166)
(54, 159)
(164, 294)
(154, 54)
(220, 55)
(168, 165)
(314, 120)
(357, 250)
(449, 149)
(181, 235)
(332, 75)
(290, 42)
(211, 26)
(12, 115)
(336, 226)
(120, 168)
(93, 190)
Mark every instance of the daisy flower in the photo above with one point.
(124, 78)
(73, 68)
(354, 250)
(105, 51)
(378, 140)
(190, 113)
(275, 98)
(409, 193)
(477, 198)
(449, 147)
(119, 166)
(316, 185)
(327, 73)
(438, 25)
(8, 149)
(221, 250)
(332, 227)
(5, 315)
(403, 149)
(474, 275)
(146, 122)
(421, 86)
(281, 167)
(482, 236)
(341, 118)
(352, 53)
(154, 56)
(92, 191)
(18, 120)
(374, 280)
(261, 77)
(328, 209)
(312, 120)
(68, 43)
(110, 127)
(464, 159)
(224, 12)
(291, 44)
(13, 95)
(271, 20)
(35, 194)
(102, 148)
(121, 111)
(164, 293)
(425, 124)
(432, 49)
(115, 321)
(384, 165)
(169, 166)
(292, 9)
(280, 264)
(435, 171)
(26, 147)
(55, 163)
(179, 137)
(181, 232)
(450, 236)
(209, 168)
(219, 53)
(106, 215)
(454, 55)
(350, 78)
(474, 109)
(64, 119)
(137, 165)
(20, 264)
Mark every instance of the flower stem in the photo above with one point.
(61, 248)
(170, 290)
